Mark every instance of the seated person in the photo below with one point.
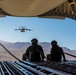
(56, 53)
(34, 53)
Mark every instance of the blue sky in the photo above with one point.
(45, 30)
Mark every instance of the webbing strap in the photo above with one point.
(9, 52)
(70, 54)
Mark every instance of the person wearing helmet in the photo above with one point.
(56, 53)
(34, 53)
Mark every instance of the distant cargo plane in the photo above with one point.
(23, 29)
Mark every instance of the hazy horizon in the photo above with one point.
(18, 49)
(45, 30)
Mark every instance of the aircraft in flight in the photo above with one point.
(22, 29)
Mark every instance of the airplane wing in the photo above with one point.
(29, 29)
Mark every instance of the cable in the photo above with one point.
(70, 54)
(9, 52)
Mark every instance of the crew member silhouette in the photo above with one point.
(56, 53)
(34, 53)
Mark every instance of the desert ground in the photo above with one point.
(5, 56)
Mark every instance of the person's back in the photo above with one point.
(56, 53)
(34, 52)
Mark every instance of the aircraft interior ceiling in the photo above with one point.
(59, 9)
(28, 7)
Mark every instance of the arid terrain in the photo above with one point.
(19, 48)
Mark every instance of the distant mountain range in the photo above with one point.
(23, 46)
